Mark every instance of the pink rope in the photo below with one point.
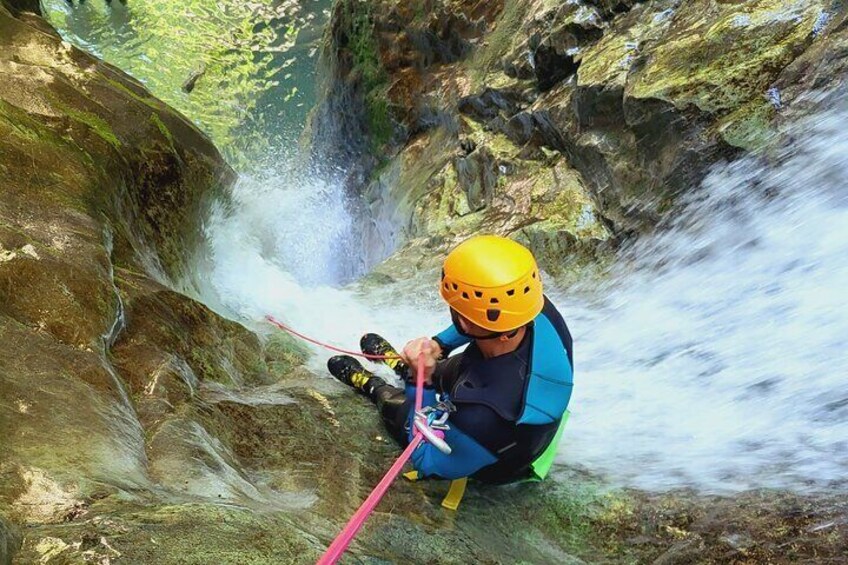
(285, 328)
(343, 540)
(345, 537)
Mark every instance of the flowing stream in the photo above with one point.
(712, 356)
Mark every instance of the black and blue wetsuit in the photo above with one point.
(508, 408)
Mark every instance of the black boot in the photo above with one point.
(349, 371)
(373, 344)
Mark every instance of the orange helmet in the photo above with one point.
(493, 282)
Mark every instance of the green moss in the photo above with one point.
(498, 42)
(362, 43)
(38, 156)
(750, 127)
(608, 61)
(157, 121)
(499, 144)
(146, 100)
(18, 129)
(97, 124)
(283, 354)
(438, 210)
(724, 61)
(380, 122)
(10, 541)
(420, 12)
(21, 125)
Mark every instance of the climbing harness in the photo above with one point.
(429, 423)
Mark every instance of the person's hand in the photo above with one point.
(432, 353)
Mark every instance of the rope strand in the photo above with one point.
(314, 341)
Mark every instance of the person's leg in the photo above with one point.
(390, 400)
(393, 406)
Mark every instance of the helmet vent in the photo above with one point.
(465, 295)
(443, 274)
(492, 314)
(510, 292)
(455, 286)
(493, 300)
(447, 287)
(534, 274)
(526, 289)
(478, 294)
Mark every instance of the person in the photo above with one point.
(510, 387)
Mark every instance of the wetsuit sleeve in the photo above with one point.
(446, 373)
(449, 339)
(466, 457)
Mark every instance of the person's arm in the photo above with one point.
(446, 373)
(435, 348)
(466, 458)
(450, 339)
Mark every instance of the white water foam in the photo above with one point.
(721, 361)
(283, 247)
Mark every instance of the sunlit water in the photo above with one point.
(255, 61)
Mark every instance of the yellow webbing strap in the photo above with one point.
(455, 494)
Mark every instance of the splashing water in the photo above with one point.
(281, 248)
(720, 361)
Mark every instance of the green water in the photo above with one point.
(257, 57)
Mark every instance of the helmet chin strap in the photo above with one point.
(503, 336)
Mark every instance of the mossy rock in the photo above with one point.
(719, 56)
(98, 141)
(10, 541)
(67, 425)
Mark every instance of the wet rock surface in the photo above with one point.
(10, 541)
(638, 98)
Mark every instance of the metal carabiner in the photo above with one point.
(426, 421)
(431, 436)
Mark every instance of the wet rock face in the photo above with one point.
(375, 62)
(10, 542)
(33, 6)
(551, 67)
(639, 98)
(86, 126)
(137, 425)
(550, 52)
(96, 175)
(102, 189)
